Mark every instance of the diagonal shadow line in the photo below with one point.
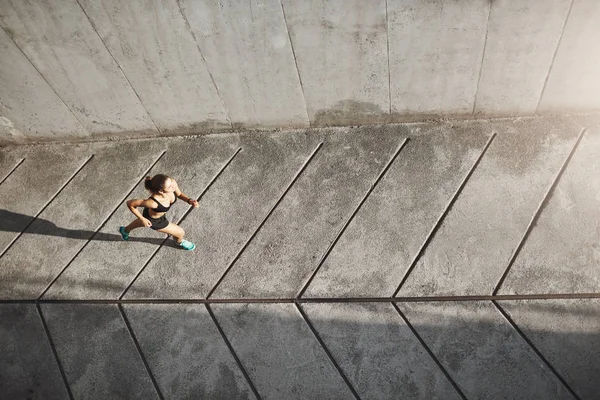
(100, 227)
(232, 351)
(54, 352)
(11, 171)
(428, 350)
(47, 204)
(273, 300)
(239, 254)
(326, 350)
(538, 212)
(349, 220)
(139, 350)
(156, 250)
(438, 223)
(535, 350)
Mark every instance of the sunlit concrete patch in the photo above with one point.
(377, 248)
(34, 183)
(228, 215)
(280, 353)
(378, 352)
(288, 248)
(186, 352)
(482, 352)
(97, 353)
(28, 369)
(567, 333)
(562, 253)
(471, 250)
(107, 265)
(64, 227)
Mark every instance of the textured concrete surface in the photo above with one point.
(522, 37)
(153, 45)
(472, 338)
(280, 353)
(493, 211)
(365, 339)
(28, 369)
(435, 52)
(310, 215)
(186, 352)
(566, 332)
(84, 69)
(86, 337)
(272, 205)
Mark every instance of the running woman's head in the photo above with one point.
(160, 184)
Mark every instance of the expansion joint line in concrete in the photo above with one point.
(119, 66)
(47, 204)
(295, 63)
(54, 352)
(487, 29)
(293, 300)
(232, 351)
(101, 226)
(428, 350)
(212, 79)
(326, 350)
(387, 41)
(441, 218)
(538, 212)
(11, 171)
(535, 350)
(204, 191)
(279, 200)
(349, 220)
(139, 351)
(554, 56)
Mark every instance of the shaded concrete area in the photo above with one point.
(484, 231)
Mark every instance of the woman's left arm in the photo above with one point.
(185, 197)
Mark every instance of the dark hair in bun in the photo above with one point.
(155, 183)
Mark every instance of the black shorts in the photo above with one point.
(157, 223)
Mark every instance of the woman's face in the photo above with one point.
(169, 186)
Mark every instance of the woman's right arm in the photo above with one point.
(134, 204)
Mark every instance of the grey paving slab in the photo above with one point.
(228, 215)
(571, 81)
(482, 352)
(97, 353)
(33, 184)
(28, 105)
(522, 37)
(562, 253)
(28, 369)
(435, 51)
(64, 227)
(470, 251)
(341, 52)
(365, 340)
(286, 251)
(156, 50)
(247, 50)
(566, 332)
(9, 160)
(104, 269)
(186, 353)
(377, 248)
(279, 352)
(62, 44)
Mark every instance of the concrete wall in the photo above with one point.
(97, 68)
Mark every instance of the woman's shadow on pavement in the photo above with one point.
(15, 222)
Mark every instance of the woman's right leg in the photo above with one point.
(134, 225)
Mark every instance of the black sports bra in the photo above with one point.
(160, 207)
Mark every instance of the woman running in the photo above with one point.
(164, 192)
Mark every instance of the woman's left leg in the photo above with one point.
(177, 232)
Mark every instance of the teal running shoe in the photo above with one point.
(187, 245)
(124, 234)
